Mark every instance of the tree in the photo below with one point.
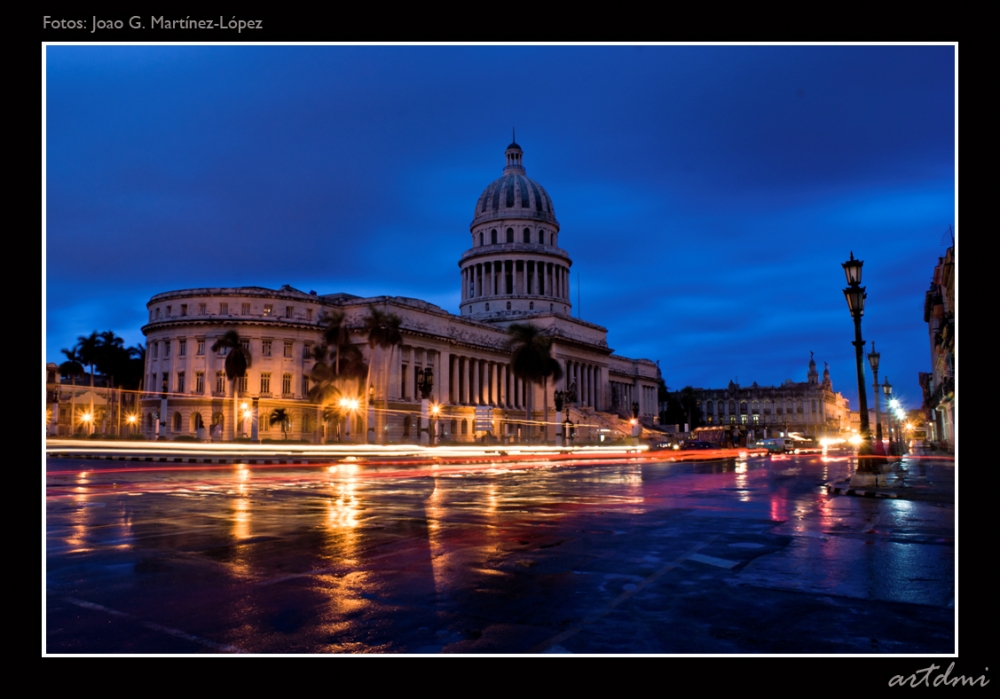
(383, 330)
(73, 368)
(532, 362)
(336, 362)
(238, 360)
(279, 416)
(88, 350)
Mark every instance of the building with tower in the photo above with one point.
(810, 408)
(514, 271)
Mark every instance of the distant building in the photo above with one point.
(811, 408)
(939, 385)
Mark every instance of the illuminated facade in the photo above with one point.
(513, 271)
(811, 408)
(939, 385)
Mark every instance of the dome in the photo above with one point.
(514, 195)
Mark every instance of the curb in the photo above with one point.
(846, 489)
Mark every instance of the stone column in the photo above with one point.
(447, 395)
(467, 381)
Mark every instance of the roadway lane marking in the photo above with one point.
(555, 641)
(153, 626)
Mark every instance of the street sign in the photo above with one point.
(484, 418)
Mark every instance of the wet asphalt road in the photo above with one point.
(662, 558)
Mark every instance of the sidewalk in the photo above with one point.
(925, 477)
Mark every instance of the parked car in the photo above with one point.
(774, 445)
(659, 446)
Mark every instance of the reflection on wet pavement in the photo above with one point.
(638, 557)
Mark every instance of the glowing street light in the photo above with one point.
(873, 358)
(349, 406)
(866, 473)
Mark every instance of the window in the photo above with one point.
(406, 426)
(220, 382)
(202, 310)
(166, 348)
(265, 348)
(527, 235)
(156, 349)
(493, 235)
(177, 422)
(307, 350)
(510, 235)
(487, 307)
(265, 382)
(508, 305)
(286, 384)
(182, 348)
(288, 348)
(480, 238)
(157, 313)
(309, 314)
(531, 305)
(180, 382)
(268, 309)
(196, 422)
(224, 309)
(541, 237)
(245, 344)
(245, 310)
(289, 310)
(552, 307)
(184, 309)
(168, 311)
(199, 382)
(465, 427)
(264, 423)
(152, 381)
(201, 346)
(150, 315)
(305, 385)
(241, 384)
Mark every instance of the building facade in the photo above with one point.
(939, 384)
(514, 271)
(810, 408)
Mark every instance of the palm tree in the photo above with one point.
(279, 416)
(88, 349)
(73, 368)
(383, 333)
(328, 377)
(335, 336)
(532, 362)
(238, 360)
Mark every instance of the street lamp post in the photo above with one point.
(559, 398)
(636, 429)
(866, 473)
(425, 384)
(873, 358)
(887, 390)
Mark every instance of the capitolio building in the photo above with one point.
(515, 270)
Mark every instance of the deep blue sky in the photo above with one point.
(706, 194)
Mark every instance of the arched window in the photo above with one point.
(480, 238)
(454, 426)
(465, 426)
(149, 421)
(541, 237)
(196, 421)
(527, 235)
(177, 422)
(218, 419)
(406, 426)
(493, 236)
(510, 235)
(307, 422)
